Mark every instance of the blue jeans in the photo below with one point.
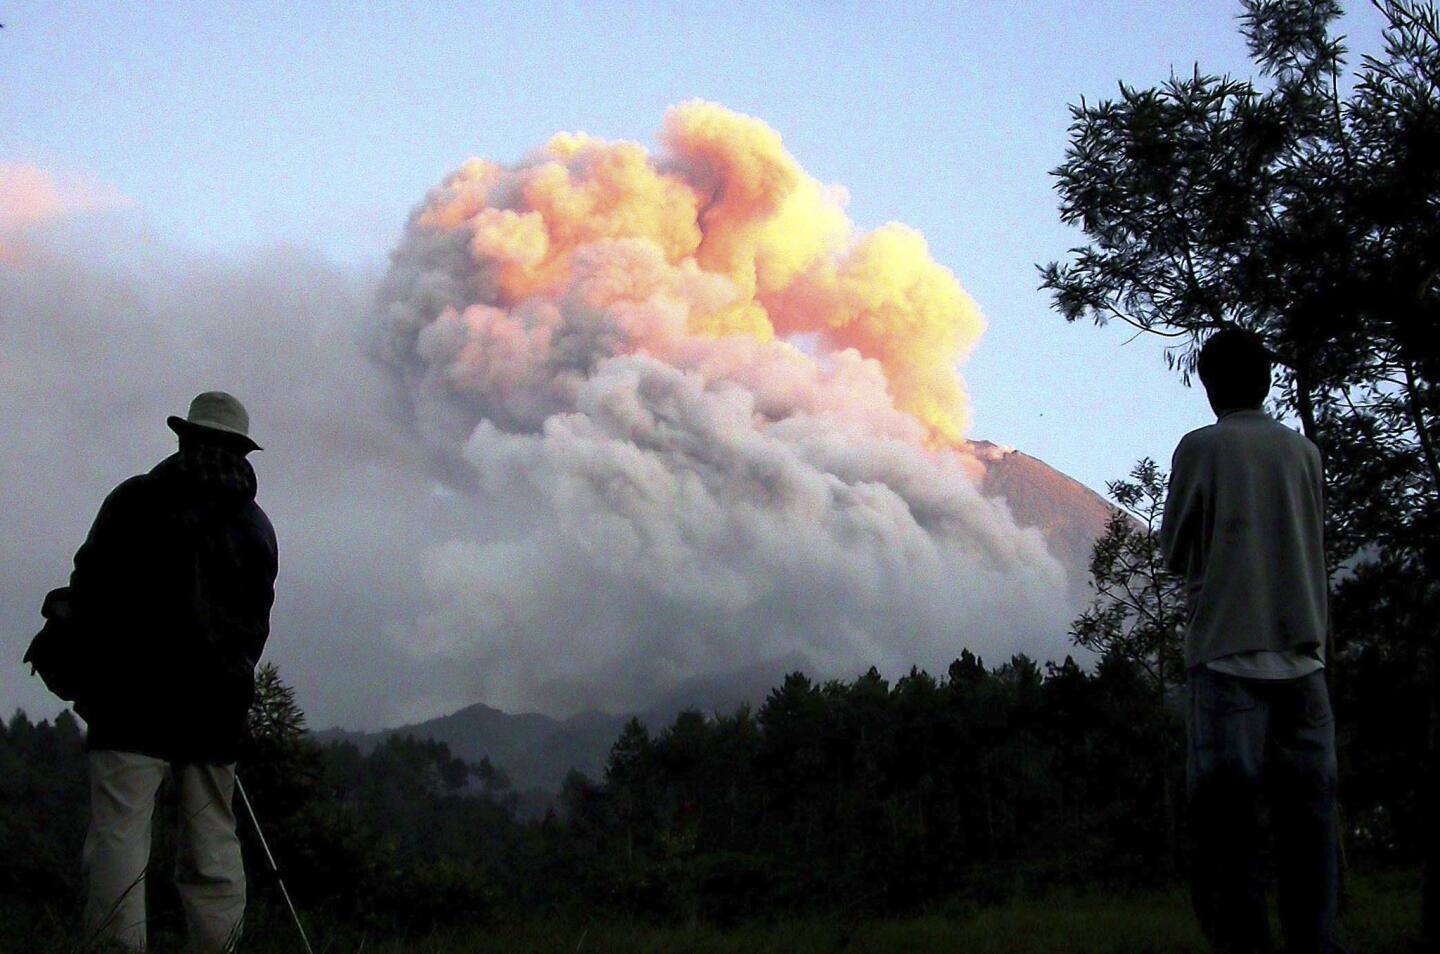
(1255, 743)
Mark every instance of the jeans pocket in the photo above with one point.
(1225, 735)
(1314, 709)
(1220, 695)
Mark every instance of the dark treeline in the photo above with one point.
(875, 797)
(864, 797)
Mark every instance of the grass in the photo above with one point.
(1381, 918)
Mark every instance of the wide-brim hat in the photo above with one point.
(215, 411)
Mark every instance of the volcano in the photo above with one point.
(1070, 515)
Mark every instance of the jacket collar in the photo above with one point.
(209, 471)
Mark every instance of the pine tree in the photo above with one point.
(275, 717)
(1138, 612)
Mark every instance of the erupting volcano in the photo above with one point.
(723, 423)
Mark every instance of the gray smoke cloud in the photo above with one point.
(695, 490)
(539, 468)
(670, 537)
(105, 331)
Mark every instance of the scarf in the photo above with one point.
(210, 471)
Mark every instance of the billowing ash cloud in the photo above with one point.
(706, 422)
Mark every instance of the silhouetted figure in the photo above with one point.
(1243, 523)
(172, 590)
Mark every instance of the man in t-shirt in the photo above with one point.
(1243, 524)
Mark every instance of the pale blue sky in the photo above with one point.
(239, 126)
(270, 153)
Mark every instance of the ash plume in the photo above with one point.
(705, 421)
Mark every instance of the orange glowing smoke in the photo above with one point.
(31, 198)
(723, 200)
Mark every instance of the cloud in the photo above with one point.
(611, 420)
(96, 351)
(32, 198)
(731, 421)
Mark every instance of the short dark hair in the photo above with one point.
(1235, 367)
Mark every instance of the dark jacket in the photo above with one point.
(172, 591)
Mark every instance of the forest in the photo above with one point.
(855, 799)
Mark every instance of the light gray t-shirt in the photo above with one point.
(1244, 524)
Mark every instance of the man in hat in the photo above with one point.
(1244, 521)
(172, 590)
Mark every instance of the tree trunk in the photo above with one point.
(1305, 405)
(1167, 808)
(1167, 800)
(1430, 889)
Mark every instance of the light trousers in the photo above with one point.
(209, 873)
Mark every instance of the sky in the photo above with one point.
(198, 192)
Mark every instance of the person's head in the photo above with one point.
(1235, 366)
(216, 419)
